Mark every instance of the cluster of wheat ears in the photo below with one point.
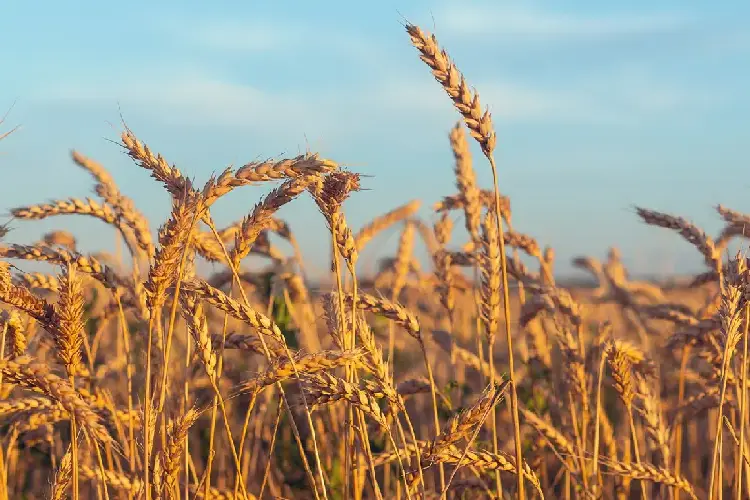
(144, 380)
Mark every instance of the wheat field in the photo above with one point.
(472, 375)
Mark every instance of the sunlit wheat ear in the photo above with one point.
(69, 312)
(23, 299)
(102, 211)
(462, 425)
(446, 73)
(283, 369)
(262, 324)
(63, 477)
(173, 238)
(17, 335)
(650, 410)
(734, 298)
(689, 231)
(61, 238)
(391, 310)
(383, 222)
(324, 388)
(466, 181)
(309, 165)
(649, 472)
(262, 215)
(175, 183)
(486, 200)
(198, 326)
(27, 373)
(487, 461)
(401, 265)
(84, 263)
(329, 193)
(171, 456)
(491, 279)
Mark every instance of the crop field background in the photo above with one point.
(422, 348)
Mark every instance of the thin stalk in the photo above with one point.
(493, 421)
(228, 430)
(212, 431)
(718, 436)
(599, 383)
(679, 429)
(267, 470)
(147, 405)
(634, 438)
(436, 419)
(186, 401)
(348, 434)
(267, 352)
(132, 453)
(519, 467)
(509, 338)
(743, 406)
(253, 398)
(74, 446)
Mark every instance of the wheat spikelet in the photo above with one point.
(16, 333)
(91, 208)
(177, 432)
(174, 236)
(175, 183)
(122, 205)
(403, 258)
(85, 264)
(491, 279)
(63, 477)
(324, 388)
(621, 364)
(282, 368)
(692, 234)
(70, 322)
(383, 222)
(556, 438)
(461, 425)
(466, 181)
(446, 73)
(488, 461)
(239, 341)
(652, 417)
(222, 301)
(391, 310)
(25, 372)
(649, 472)
(329, 194)
(113, 479)
(261, 215)
(198, 325)
(39, 281)
(264, 171)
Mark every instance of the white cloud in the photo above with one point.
(203, 99)
(194, 97)
(517, 22)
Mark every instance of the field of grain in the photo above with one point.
(473, 375)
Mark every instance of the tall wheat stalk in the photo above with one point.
(481, 128)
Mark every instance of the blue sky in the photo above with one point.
(598, 106)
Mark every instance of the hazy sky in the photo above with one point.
(598, 106)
